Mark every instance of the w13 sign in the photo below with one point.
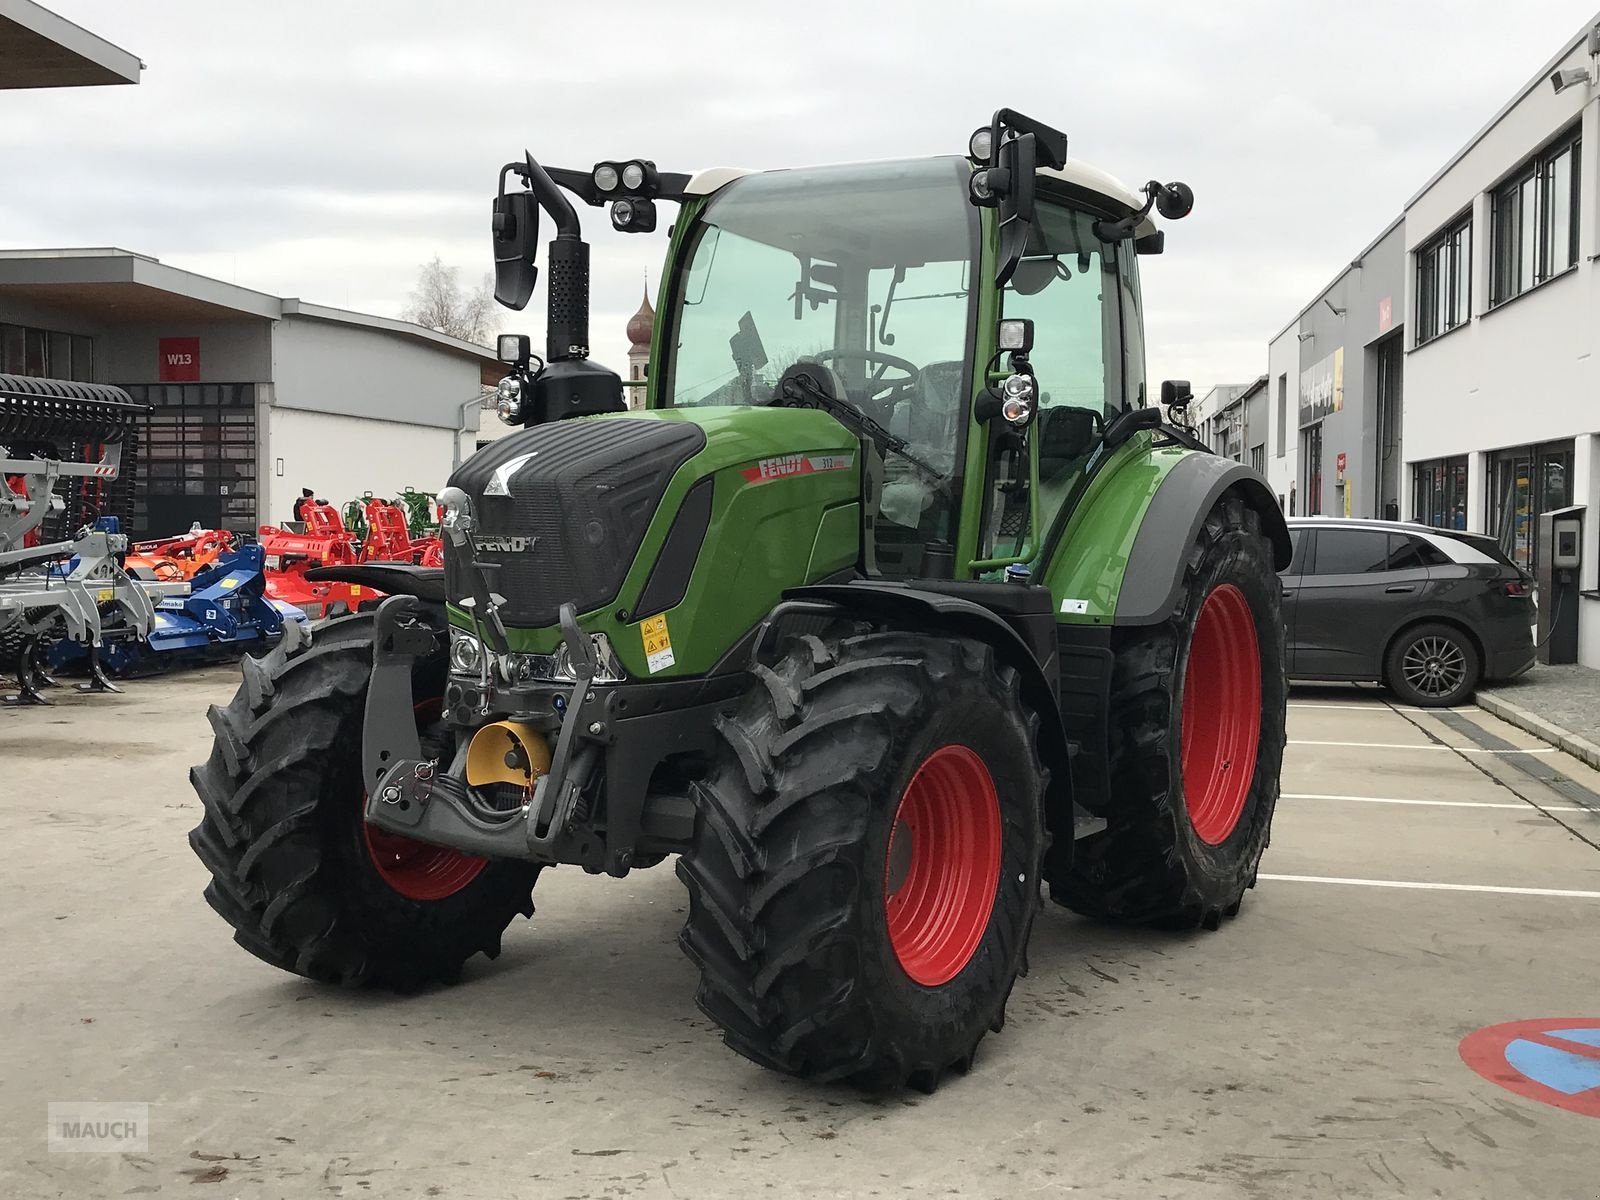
(179, 360)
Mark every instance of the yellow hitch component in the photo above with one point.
(507, 752)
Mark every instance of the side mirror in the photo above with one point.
(515, 228)
(1176, 393)
(1175, 201)
(1020, 159)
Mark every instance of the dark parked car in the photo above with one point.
(1429, 612)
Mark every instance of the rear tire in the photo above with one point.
(1185, 831)
(1433, 666)
(874, 818)
(306, 884)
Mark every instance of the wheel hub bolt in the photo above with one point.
(390, 795)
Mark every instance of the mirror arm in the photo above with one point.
(549, 195)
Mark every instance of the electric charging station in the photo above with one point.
(1559, 558)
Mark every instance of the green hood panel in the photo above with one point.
(785, 511)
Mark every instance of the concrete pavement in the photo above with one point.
(1307, 1049)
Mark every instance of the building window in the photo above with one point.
(1439, 492)
(1283, 415)
(46, 354)
(1311, 458)
(1258, 459)
(1535, 215)
(1444, 281)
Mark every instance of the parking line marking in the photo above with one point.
(1414, 746)
(1377, 706)
(1431, 803)
(1435, 887)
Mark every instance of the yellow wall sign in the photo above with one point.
(657, 643)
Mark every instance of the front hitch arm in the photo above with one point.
(389, 730)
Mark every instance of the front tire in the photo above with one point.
(866, 862)
(1196, 738)
(306, 884)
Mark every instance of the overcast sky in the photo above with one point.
(325, 150)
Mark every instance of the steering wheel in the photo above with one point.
(878, 391)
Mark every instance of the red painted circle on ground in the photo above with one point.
(1554, 1060)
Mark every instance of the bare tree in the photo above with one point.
(440, 302)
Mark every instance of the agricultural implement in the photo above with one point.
(289, 556)
(388, 537)
(226, 613)
(181, 557)
(899, 605)
(61, 455)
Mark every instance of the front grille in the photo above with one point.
(581, 493)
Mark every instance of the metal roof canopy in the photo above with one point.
(110, 285)
(38, 49)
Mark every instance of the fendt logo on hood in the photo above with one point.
(507, 545)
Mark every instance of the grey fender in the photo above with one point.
(1020, 627)
(1154, 576)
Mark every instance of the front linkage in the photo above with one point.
(548, 729)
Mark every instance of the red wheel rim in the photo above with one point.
(419, 870)
(1221, 714)
(942, 865)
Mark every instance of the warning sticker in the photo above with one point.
(230, 582)
(768, 469)
(657, 643)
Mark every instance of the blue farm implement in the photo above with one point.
(226, 613)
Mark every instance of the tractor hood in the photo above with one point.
(586, 510)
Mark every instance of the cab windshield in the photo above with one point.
(866, 270)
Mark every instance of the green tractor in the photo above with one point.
(898, 606)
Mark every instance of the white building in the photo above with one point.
(1463, 344)
(253, 397)
(1501, 418)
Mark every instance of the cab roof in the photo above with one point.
(1076, 173)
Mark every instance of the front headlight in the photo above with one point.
(466, 652)
(508, 400)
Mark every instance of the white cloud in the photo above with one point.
(325, 150)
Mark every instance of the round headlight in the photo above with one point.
(981, 145)
(621, 213)
(508, 399)
(1017, 399)
(605, 177)
(466, 654)
(633, 176)
(982, 193)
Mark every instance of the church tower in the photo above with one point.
(641, 326)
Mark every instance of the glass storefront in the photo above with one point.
(1525, 481)
(1439, 492)
(1311, 468)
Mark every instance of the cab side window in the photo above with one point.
(1070, 286)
